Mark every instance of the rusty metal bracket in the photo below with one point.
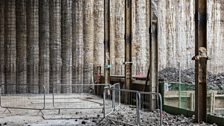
(202, 55)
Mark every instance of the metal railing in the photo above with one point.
(111, 102)
(30, 101)
(79, 100)
(138, 101)
(114, 108)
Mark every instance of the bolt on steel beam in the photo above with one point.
(200, 60)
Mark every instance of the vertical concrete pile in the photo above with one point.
(10, 46)
(44, 38)
(77, 45)
(119, 37)
(88, 40)
(98, 35)
(112, 35)
(2, 44)
(55, 46)
(33, 46)
(140, 44)
(66, 42)
(21, 40)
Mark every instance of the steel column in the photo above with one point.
(153, 58)
(128, 40)
(200, 60)
(107, 41)
(153, 65)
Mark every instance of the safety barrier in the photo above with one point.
(137, 98)
(82, 99)
(123, 92)
(30, 101)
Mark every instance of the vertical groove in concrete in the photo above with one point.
(98, 34)
(119, 36)
(2, 43)
(66, 43)
(10, 46)
(21, 40)
(44, 68)
(77, 45)
(33, 46)
(148, 11)
(88, 38)
(112, 36)
(133, 39)
(55, 46)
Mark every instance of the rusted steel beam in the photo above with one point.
(200, 60)
(128, 41)
(107, 41)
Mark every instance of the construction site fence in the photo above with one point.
(57, 101)
(130, 97)
(108, 101)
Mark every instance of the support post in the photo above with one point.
(200, 60)
(153, 87)
(128, 41)
(107, 41)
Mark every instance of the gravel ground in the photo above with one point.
(215, 81)
(125, 114)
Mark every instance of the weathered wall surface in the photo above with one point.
(216, 35)
(46, 43)
(176, 34)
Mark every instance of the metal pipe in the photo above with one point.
(104, 106)
(113, 99)
(138, 104)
